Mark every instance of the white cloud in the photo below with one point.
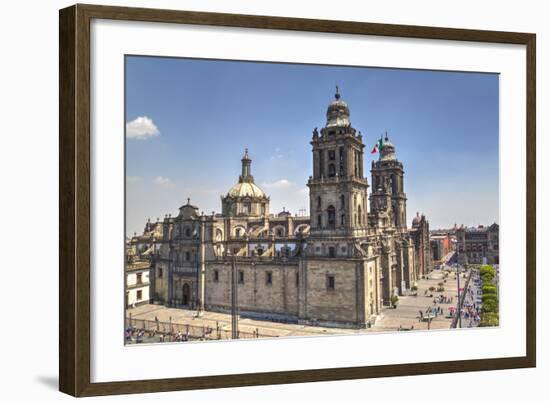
(279, 184)
(163, 180)
(141, 128)
(277, 155)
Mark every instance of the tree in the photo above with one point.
(394, 301)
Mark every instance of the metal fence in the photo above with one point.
(177, 331)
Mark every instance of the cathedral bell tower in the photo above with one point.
(388, 201)
(337, 188)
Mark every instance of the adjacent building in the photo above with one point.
(442, 243)
(141, 251)
(478, 245)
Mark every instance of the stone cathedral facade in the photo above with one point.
(338, 266)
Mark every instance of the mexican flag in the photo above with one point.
(378, 146)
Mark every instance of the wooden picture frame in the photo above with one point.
(75, 207)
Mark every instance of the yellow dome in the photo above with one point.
(243, 189)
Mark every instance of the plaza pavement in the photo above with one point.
(406, 314)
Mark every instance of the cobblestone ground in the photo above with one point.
(405, 316)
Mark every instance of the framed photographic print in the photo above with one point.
(250, 200)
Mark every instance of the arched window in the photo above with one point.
(360, 216)
(319, 221)
(238, 232)
(318, 202)
(343, 220)
(342, 201)
(331, 216)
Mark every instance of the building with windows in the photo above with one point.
(338, 266)
(137, 283)
(478, 245)
(441, 244)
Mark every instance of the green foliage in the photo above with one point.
(489, 297)
(489, 319)
(489, 289)
(490, 306)
(487, 269)
(414, 288)
(487, 273)
(432, 289)
(489, 309)
(394, 300)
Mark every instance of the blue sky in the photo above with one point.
(197, 116)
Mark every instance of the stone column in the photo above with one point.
(202, 266)
(387, 284)
(400, 270)
(360, 294)
(302, 289)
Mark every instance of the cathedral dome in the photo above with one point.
(338, 112)
(388, 150)
(243, 189)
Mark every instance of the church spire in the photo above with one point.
(246, 161)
